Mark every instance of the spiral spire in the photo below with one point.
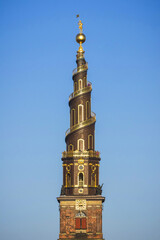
(80, 137)
(80, 198)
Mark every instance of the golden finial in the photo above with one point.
(80, 38)
(80, 26)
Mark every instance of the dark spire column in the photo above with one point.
(80, 135)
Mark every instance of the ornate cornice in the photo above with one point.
(80, 154)
(87, 197)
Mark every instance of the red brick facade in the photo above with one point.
(92, 217)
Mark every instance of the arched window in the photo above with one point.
(68, 179)
(80, 113)
(70, 147)
(88, 112)
(80, 84)
(80, 144)
(90, 142)
(80, 221)
(80, 214)
(93, 179)
(80, 180)
(85, 81)
(75, 87)
(73, 117)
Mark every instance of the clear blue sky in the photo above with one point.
(38, 53)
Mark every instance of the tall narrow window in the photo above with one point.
(75, 87)
(87, 109)
(80, 113)
(81, 221)
(93, 179)
(80, 144)
(90, 142)
(85, 81)
(78, 223)
(68, 179)
(81, 180)
(70, 147)
(80, 84)
(72, 117)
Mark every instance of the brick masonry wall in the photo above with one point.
(93, 213)
(82, 133)
(81, 99)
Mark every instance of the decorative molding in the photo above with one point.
(82, 117)
(80, 84)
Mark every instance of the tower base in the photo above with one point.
(81, 217)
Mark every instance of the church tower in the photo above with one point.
(80, 201)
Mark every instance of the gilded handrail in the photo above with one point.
(82, 124)
(80, 68)
(78, 153)
(83, 90)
